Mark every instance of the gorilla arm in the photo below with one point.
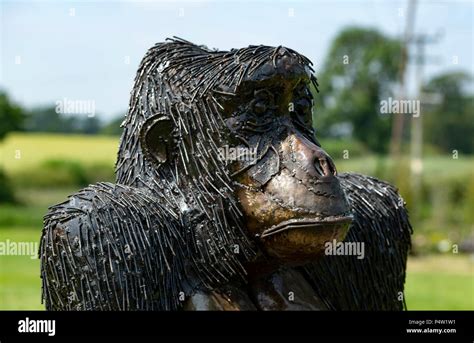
(375, 282)
(111, 247)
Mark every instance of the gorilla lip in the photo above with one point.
(301, 223)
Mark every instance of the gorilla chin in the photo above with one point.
(295, 237)
(297, 241)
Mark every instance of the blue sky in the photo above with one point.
(90, 50)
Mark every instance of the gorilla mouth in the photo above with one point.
(307, 223)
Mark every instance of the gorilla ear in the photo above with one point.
(156, 138)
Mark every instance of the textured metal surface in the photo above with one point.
(377, 281)
(183, 227)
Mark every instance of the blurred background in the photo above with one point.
(395, 102)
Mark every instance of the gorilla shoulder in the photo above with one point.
(105, 241)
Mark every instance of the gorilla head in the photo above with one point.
(226, 138)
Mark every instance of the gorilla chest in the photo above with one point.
(280, 291)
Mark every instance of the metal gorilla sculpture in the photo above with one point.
(184, 227)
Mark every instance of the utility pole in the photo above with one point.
(398, 118)
(416, 139)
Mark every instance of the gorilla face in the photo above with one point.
(286, 183)
(250, 108)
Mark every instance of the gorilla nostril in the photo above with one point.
(319, 166)
(324, 167)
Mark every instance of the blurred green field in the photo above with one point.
(20, 284)
(440, 282)
(58, 160)
(20, 151)
(52, 166)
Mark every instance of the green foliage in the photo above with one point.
(99, 172)
(11, 115)
(113, 127)
(32, 205)
(47, 119)
(6, 189)
(343, 148)
(444, 208)
(444, 211)
(359, 71)
(450, 124)
(21, 215)
(72, 168)
(64, 173)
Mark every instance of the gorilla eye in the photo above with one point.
(259, 107)
(302, 111)
(263, 101)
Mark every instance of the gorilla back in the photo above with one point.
(225, 200)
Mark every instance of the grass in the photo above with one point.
(440, 282)
(19, 275)
(20, 284)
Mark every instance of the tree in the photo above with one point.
(11, 115)
(11, 118)
(89, 125)
(47, 119)
(449, 125)
(359, 72)
(113, 127)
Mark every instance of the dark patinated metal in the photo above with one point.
(224, 199)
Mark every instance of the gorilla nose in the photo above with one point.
(307, 156)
